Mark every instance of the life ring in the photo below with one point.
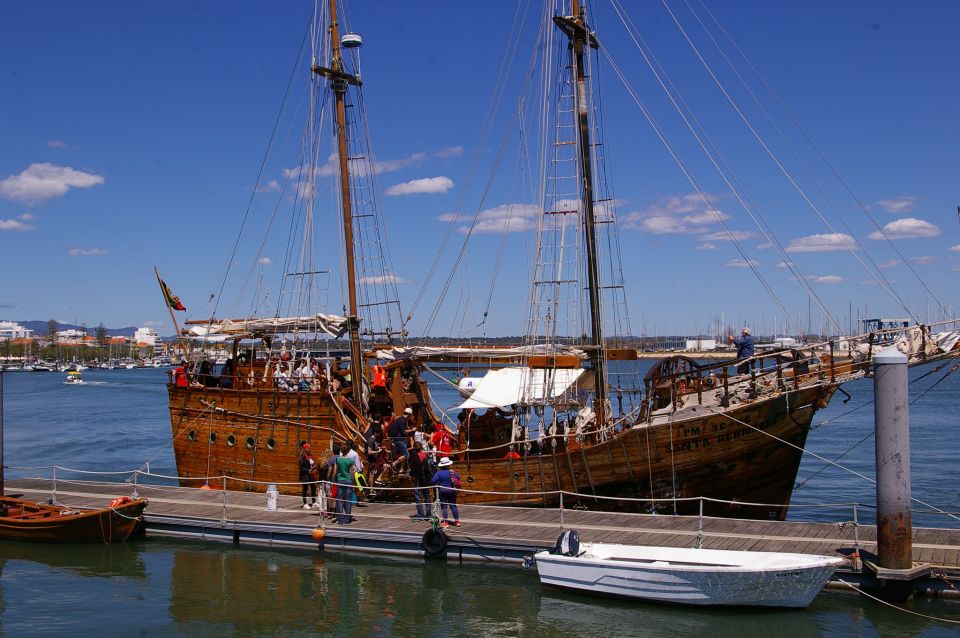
(434, 543)
(710, 381)
(120, 501)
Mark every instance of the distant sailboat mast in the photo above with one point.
(575, 27)
(340, 79)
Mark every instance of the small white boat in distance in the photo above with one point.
(74, 377)
(686, 576)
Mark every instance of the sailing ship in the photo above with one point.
(562, 412)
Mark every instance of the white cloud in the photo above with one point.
(450, 151)
(827, 242)
(825, 279)
(723, 235)
(273, 186)
(511, 218)
(41, 182)
(906, 228)
(682, 215)
(783, 264)
(86, 252)
(425, 185)
(903, 204)
(26, 217)
(13, 224)
(740, 263)
(706, 246)
(61, 145)
(890, 264)
(923, 260)
(388, 278)
(264, 261)
(954, 249)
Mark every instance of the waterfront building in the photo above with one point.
(10, 330)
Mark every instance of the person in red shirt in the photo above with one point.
(442, 441)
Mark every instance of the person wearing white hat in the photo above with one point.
(449, 482)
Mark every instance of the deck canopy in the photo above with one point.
(510, 386)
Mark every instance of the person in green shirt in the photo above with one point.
(345, 468)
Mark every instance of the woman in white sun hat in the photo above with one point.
(449, 482)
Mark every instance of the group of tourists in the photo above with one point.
(306, 375)
(427, 459)
(338, 475)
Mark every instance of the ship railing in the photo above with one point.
(843, 514)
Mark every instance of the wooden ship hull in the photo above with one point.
(747, 453)
(37, 522)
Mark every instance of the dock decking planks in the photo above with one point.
(488, 527)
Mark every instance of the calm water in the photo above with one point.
(119, 421)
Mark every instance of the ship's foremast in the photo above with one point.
(340, 80)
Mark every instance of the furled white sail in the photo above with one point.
(332, 325)
(510, 386)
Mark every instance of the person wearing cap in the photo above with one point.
(399, 431)
(420, 479)
(449, 481)
(745, 349)
(309, 474)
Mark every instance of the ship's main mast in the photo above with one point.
(575, 27)
(340, 79)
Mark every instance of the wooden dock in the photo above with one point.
(490, 534)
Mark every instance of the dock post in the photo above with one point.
(891, 401)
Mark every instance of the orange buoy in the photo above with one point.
(206, 486)
(318, 534)
(120, 500)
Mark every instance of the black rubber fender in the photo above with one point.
(434, 543)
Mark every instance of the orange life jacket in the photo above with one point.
(379, 377)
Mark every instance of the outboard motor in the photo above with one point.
(568, 544)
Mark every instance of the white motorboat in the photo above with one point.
(687, 576)
(74, 377)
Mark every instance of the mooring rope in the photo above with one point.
(892, 606)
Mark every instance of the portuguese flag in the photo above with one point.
(173, 301)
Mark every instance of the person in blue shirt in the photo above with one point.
(449, 482)
(745, 349)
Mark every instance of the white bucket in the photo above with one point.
(272, 496)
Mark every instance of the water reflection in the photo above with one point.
(174, 588)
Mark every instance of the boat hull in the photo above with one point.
(748, 454)
(36, 522)
(689, 576)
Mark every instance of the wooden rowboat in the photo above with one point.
(22, 520)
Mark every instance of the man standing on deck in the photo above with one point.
(745, 349)
(398, 433)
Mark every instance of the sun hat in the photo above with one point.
(445, 462)
(408, 411)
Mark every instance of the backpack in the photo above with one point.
(568, 544)
(455, 480)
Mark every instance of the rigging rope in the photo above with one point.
(823, 157)
(876, 273)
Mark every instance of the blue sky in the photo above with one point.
(133, 138)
